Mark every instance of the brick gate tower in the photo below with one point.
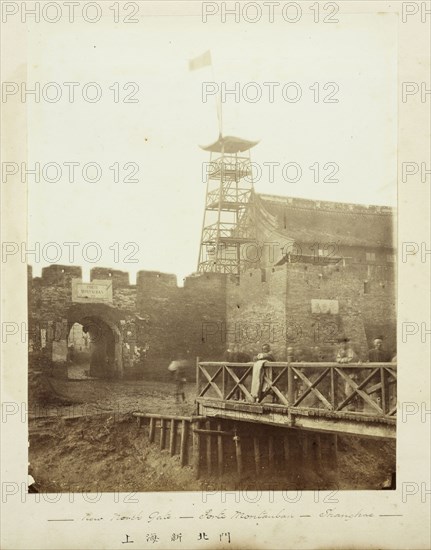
(228, 194)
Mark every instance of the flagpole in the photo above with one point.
(219, 106)
(203, 61)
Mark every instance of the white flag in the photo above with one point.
(203, 60)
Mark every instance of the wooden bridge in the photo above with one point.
(356, 399)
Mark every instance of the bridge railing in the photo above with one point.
(357, 388)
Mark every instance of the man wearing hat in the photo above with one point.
(346, 353)
(378, 354)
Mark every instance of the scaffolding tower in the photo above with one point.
(228, 194)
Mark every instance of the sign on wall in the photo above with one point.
(324, 306)
(94, 292)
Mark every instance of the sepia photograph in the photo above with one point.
(264, 350)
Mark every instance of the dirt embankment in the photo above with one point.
(106, 453)
(83, 438)
(101, 453)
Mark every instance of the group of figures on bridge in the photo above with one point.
(342, 352)
(341, 383)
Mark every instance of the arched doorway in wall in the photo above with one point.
(78, 352)
(100, 327)
(102, 347)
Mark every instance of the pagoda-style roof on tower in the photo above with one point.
(307, 220)
(229, 144)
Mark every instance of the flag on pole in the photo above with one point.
(203, 60)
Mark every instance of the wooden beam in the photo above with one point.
(333, 390)
(172, 437)
(239, 384)
(233, 405)
(343, 423)
(290, 386)
(152, 429)
(169, 416)
(238, 454)
(197, 376)
(311, 388)
(162, 433)
(184, 441)
(306, 365)
(220, 456)
(209, 449)
(210, 381)
(357, 390)
(197, 453)
(213, 432)
(272, 387)
(385, 390)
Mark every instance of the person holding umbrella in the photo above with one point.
(177, 367)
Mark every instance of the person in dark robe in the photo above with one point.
(241, 356)
(378, 354)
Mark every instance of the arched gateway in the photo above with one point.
(103, 324)
(91, 325)
(116, 329)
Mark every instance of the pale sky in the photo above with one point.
(162, 213)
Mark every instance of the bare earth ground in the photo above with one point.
(83, 438)
(104, 396)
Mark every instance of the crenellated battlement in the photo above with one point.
(119, 278)
(145, 278)
(155, 321)
(303, 304)
(58, 274)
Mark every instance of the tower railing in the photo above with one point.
(234, 197)
(230, 167)
(225, 231)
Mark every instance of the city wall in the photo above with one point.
(301, 306)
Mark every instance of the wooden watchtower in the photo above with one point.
(229, 189)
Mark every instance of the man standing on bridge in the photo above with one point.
(346, 354)
(266, 354)
(378, 354)
(257, 389)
